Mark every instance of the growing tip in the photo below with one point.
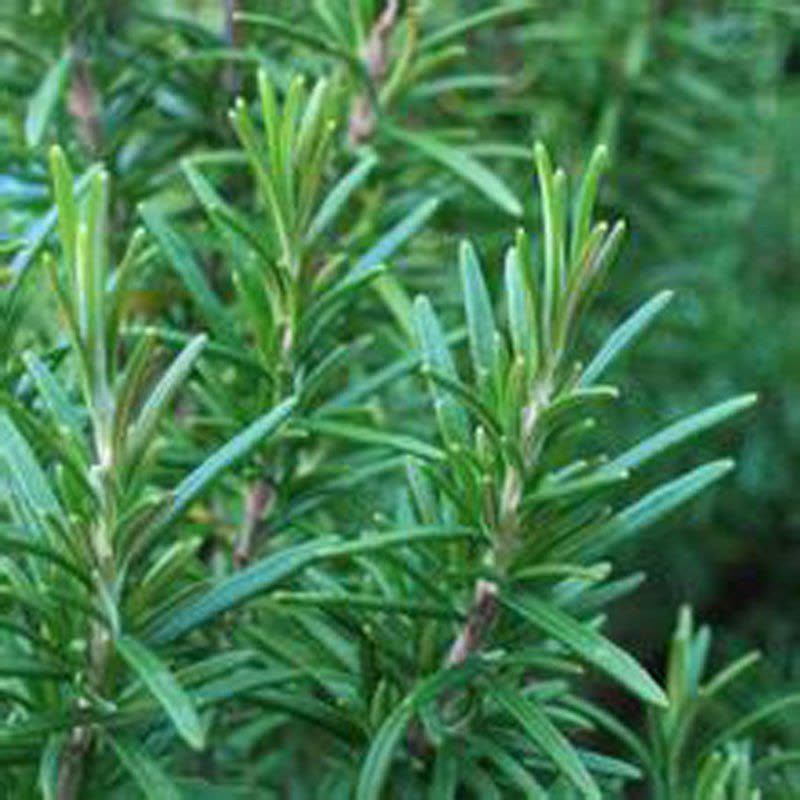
(600, 156)
(724, 466)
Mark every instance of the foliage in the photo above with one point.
(289, 508)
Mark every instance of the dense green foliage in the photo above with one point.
(315, 476)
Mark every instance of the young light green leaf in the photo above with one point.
(464, 166)
(338, 196)
(680, 431)
(38, 232)
(623, 336)
(553, 240)
(436, 356)
(397, 301)
(546, 736)
(478, 306)
(45, 100)
(391, 241)
(63, 189)
(163, 686)
(372, 436)
(659, 502)
(55, 398)
(162, 395)
(582, 213)
(279, 205)
(521, 324)
(314, 118)
(590, 645)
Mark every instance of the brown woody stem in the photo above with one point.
(260, 496)
(481, 615)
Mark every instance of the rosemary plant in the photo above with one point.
(310, 484)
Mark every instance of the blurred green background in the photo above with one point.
(699, 103)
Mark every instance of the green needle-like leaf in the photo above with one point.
(659, 502)
(436, 356)
(681, 431)
(227, 455)
(29, 483)
(270, 571)
(466, 167)
(163, 686)
(546, 736)
(157, 403)
(180, 258)
(372, 436)
(590, 645)
(376, 765)
(45, 100)
(480, 319)
(623, 336)
(391, 241)
(148, 774)
(336, 199)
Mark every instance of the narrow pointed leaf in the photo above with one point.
(163, 686)
(521, 324)
(37, 233)
(263, 575)
(377, 764)
(472, 22)
(180, 258)
(145, 771)
(162, 395)
(681, 431)
(436, 356)
(785, 704)
(227, 594)
(590, 645)
(45, 100)
(391, 241)
(478, 306)
(582, 214)
(55, 398)
(28, 479)
(237, 448)
(338, 196)
(469, 169)
(623, 336)
(373, 436)
(656, 504)
(546, 736)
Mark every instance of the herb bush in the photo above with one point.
(310, 480)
